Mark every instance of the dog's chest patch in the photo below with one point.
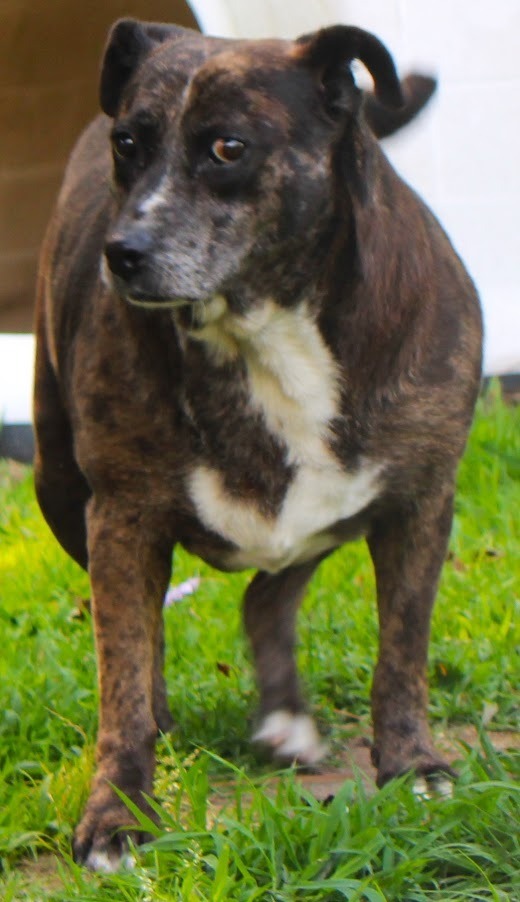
(294, 383)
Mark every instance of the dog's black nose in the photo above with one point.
(126, 256)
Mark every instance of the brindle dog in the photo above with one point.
(254, 340)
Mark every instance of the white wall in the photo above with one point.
(16, 376)
(463, 155)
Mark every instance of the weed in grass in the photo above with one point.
(252, 841)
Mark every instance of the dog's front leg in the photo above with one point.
(270, 607)
(129, 572)
(408, 551)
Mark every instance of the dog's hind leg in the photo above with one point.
(270, 608)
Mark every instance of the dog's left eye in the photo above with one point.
(226, 150)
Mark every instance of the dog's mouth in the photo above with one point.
(156, 302)
(191, 314)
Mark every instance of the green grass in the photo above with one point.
(265, 843)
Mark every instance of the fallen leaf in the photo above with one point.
(224, 668)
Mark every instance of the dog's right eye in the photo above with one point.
(124, 145)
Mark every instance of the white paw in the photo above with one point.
(110, 862)
(293, 737)
(433, 787)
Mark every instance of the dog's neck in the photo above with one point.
(291, 373)
(264, 330)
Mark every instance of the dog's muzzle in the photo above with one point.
(128, 258)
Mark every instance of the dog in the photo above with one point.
(255, 340)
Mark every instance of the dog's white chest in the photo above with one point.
(294, 382)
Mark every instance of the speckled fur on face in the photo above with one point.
(212, 225)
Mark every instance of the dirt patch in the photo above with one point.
(355, 761)
(357, 757)
(42, 872)
(501, 740)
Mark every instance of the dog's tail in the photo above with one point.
(383, 120)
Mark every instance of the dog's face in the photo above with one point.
(223, 153)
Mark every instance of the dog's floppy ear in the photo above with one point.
(330, 51)
(129, 41)
(417, 90)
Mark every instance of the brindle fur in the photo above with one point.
(128, 401)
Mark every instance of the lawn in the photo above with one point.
(226, 831)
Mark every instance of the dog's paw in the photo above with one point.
(291, 738)
(101, 838)
(109, 861)
(434, 786)
(434, 776)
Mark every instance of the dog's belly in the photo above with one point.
(317, 500)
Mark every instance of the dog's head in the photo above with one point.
(224, 154)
